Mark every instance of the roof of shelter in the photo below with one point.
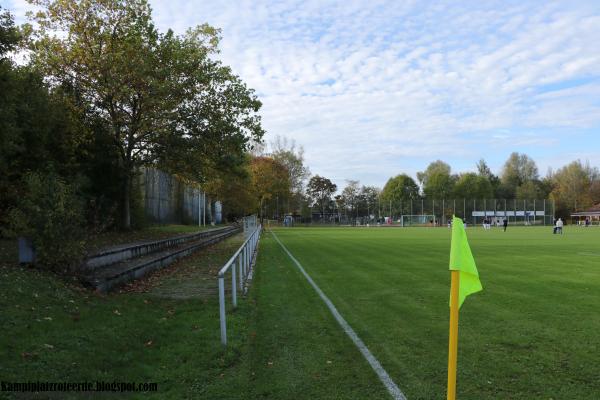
(594, 210)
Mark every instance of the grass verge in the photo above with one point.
(283, 343)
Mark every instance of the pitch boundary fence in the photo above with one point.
(240, 265)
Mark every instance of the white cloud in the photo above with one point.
(375, 88)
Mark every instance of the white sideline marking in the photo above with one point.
(392, 388)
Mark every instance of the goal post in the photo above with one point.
(418, 220)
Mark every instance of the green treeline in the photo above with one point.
(102, 93)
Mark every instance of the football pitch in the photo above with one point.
(532, 333)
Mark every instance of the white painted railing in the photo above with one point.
(241, 261)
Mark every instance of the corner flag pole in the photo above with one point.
(453, 338)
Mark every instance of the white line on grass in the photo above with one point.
(392, 388)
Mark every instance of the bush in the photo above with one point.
(51, 214)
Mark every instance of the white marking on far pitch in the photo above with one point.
(392, 388)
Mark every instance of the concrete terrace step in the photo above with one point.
(129, 251)
(110, 276)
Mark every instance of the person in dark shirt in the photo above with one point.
(505, 223)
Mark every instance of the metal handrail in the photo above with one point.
(244, 256)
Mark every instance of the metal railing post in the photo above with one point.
(241, 260)
(222, 310)
(233, 286)
(246, 261)
(241, 272)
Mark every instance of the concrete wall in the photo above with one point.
(169, 199)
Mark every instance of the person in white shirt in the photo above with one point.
(559, 226)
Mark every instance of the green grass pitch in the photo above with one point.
(533, 333)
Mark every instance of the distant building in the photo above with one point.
(592, 213)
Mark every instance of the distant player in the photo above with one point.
(559, 226)
(505, 224)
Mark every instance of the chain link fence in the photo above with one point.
(434, 212)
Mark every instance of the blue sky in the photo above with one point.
(375, 88)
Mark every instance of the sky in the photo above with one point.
(372, 89)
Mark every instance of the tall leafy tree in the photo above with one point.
(109, 51)
(9, 34)
(369, 199)
(574, 186)
(39, 132)
(270, 181)
(292, 158)
(484, 170)
(399, 189)
(351, 197)
(157, 92)
(321, 189)
(518, 169)
(436, 181)
(215, 127)
(473, 186)
(287, 153)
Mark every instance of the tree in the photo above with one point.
(351, 197)
(369, 199)
(292, 158)
(484, 171)
(399, 189)
(573, 186)
(39, 132)
(529, 190)
(9, 35)
(435, 167)
(321, 189)
(517, 170)
(436, 181)
(473, 186)
(158, 93)
(270, 179)
(595, 191)
(235, 190)
(215, 128)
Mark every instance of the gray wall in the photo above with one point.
(168, 199)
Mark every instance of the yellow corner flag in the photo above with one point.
(461, 259)
(465, 281)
